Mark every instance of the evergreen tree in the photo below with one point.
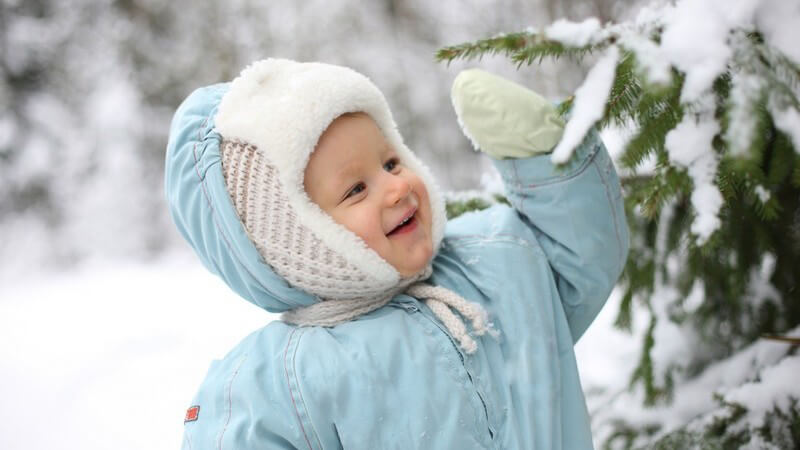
(711, 175)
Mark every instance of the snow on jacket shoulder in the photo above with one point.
(394, 378)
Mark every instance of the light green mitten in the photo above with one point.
(502, 118)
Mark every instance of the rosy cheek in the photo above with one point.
(365, 228)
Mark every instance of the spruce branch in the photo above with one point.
(507, 44)
(522, 48)
(787, 339)
(796, 175)
(645, 372)
(624, 316)
(564, 107)
(624, 94)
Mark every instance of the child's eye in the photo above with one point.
(357, 189)
(391, 164)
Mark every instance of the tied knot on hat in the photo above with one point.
(270, 122)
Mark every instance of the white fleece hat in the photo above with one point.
(271, 120)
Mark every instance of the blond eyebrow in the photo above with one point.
(341, 180)
(354, 163)
(349, 167)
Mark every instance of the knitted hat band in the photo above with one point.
(286, 244)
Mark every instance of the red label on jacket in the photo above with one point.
(192, 414)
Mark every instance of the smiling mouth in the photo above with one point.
(407, 225)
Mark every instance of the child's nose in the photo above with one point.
(398, 189)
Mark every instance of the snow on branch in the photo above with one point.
(735, 55)
(590, 100)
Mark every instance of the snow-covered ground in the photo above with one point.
(109, 356)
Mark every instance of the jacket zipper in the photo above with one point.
(415, 308)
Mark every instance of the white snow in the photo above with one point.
(590, 100)
(762, 193)
(778, 20)
(745, 89)
(760, 289)
(695, 39)
(606, 355)
(690, 140)
(696, 45)
(609, 399)
(463, 196)
(616, 138)
(491, 180)
(110, 355)
(787, 120)
(761, 395)
(650, 57)
(652, 15)
(574, 34)
(695, 298)
(707, 202)
(689, 146)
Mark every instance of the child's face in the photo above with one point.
(356, 177)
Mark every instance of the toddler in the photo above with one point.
(399, 329)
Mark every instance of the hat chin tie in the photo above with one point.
(440, 300)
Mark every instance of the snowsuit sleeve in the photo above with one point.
(577, 215)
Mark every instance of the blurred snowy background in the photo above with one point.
(107, 322)
(89, 87)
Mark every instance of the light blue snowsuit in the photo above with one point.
(394, 378)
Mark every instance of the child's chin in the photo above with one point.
(417, 262)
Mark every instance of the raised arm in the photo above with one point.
(576, 211)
